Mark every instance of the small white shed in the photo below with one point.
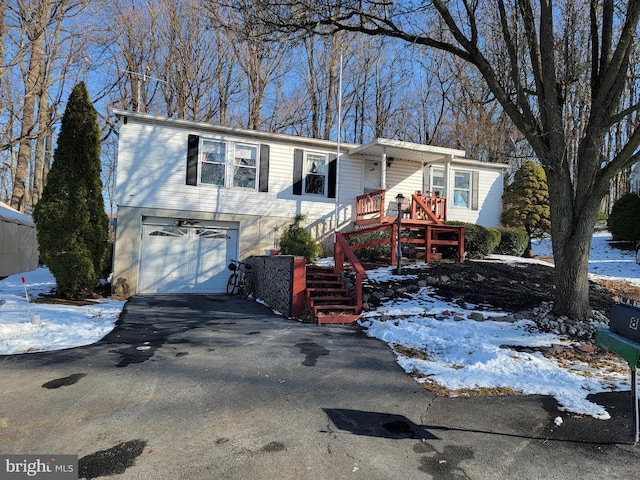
(18, 242)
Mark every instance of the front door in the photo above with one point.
(372, 175)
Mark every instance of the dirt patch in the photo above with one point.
(509, 287)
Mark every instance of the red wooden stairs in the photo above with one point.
(327, 297)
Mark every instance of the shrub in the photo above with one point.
(478, 240)
(495, 237)
(513, 241)
(295, 240)
(374, 252)
(624, 219)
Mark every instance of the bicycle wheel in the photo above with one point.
(232, 284)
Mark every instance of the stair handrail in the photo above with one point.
(341, 249)
(419, 202)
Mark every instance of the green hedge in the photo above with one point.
(513, 241)
(479, 241)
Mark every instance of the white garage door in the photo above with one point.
(185, 257)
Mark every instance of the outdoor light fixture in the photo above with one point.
(399, 201)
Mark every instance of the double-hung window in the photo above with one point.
(245, 165)
(462, 189)
(437, 181)
(229, 164)
(315, 178)
(214, 160)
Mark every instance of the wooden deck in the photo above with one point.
(422, 224)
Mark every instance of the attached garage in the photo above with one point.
(185, 256)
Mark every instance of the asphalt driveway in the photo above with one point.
(212, 387)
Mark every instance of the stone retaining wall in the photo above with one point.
(276, 282)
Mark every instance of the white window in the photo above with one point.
(437, 182)
(214, 159)
(462, 189)
(229, 164)
(315, 173)
(245, 165)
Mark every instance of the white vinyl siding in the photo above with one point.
(489, 190)
(402, 177)
(151, 173)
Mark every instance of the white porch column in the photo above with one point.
(383, 179)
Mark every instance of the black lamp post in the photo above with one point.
(399, 201)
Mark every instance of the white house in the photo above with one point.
(192, 195)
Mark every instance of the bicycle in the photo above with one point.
(240, 282)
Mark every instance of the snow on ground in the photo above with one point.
(466, 354)
(459, 353)
(27, 327)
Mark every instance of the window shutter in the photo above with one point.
(333, 176)
(192, 159)
(263, 183)
(297, 171)
(475, 179)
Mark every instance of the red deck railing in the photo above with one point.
(370, 207)
(426, 208)
(343, 251)
(426, 213)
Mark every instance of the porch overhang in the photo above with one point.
(415, 152)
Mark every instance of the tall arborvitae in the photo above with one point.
(526, 202)
(70, 217)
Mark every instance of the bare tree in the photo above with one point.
(36, 16)
(522, 69)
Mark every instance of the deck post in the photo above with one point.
(399, 201)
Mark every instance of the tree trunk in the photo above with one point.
(19, 192)
(41, 150)
(571, 255)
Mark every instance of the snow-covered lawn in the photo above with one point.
(27, 327)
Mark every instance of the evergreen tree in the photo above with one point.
(70, 217)
(296, 240)
(526, 203)
(623, 220)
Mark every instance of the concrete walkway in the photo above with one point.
(197, 387)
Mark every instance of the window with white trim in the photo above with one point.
(245, 165)
(228, 164)
(437, 182)
(462, 189)
(315, 173)
(214, 160)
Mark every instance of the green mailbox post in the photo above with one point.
(630, 351)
